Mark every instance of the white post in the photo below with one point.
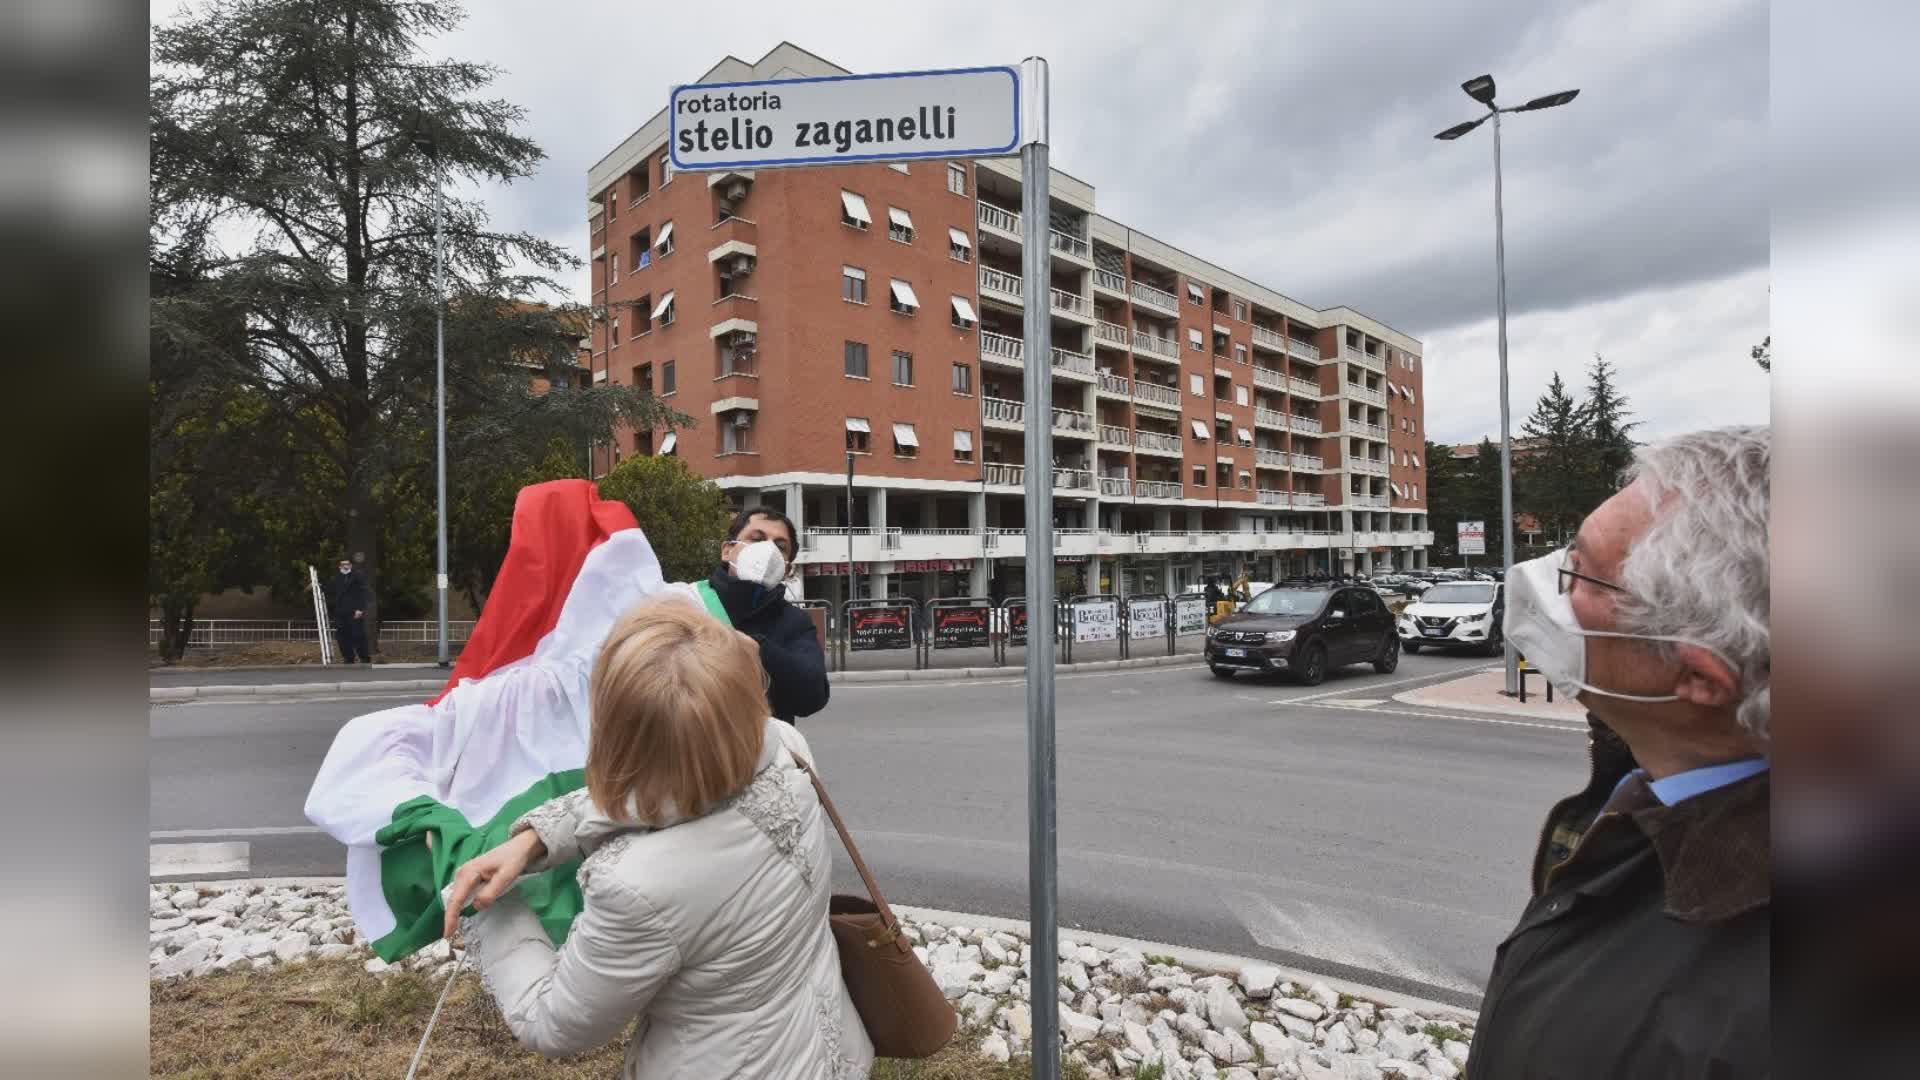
(1506, 434)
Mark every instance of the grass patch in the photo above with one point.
(1155, 1071)
(961, 1060)
(1163, 961)
(1443, 1032)
(1345, 1002)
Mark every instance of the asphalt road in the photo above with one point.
(1333, 828)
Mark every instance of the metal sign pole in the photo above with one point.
(1042, 855)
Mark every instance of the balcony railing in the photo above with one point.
(1110, 281)
(1375, 501)
(1165, 348)
(1072, 480)
(1002, 347)
(1270, 497)
(1364, 429)
(1308, 462)
(1305, 498)
(1116, 485)
(1275, 458)
(1358, 392)
(1269, 378)
(1005, 221)
(1269, 418)
(1072, 421)
(1364, 359)
(1156, 394)
(1303, 386)
(1155, 298)
(1073, 363)
(1304, 350)
(1309, 424)
(1005, 475)
(1112, 334)
(1114, 384)
(1070, 245)
(1156, 489)
(1367, 465)
(1000, 410)
(997, 281)
(1156, 442)
(1272, 339)
(1114, 435)
(1072, 303)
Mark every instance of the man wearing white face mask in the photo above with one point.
(1645, 948)
(751, 585)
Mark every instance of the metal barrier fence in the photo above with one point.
(1094, 617)
(960, 622)
(229, 633)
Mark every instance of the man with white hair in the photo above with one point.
(1645, 948)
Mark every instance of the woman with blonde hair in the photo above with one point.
(705, 876)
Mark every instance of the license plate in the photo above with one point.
(1237, 652)
(1434, 633)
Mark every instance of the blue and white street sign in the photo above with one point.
(839, 119)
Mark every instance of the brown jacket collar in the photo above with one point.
(1713, 850)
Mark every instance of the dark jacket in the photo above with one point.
(789, 645)
(346, 594)
(1645, 949)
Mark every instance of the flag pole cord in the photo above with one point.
(420, 1051)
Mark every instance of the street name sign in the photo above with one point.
(841, 119)
(1473, 538)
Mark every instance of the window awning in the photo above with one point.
(903, 434)
(856, 207)
(964, 310)
(963, 441)
(854, 272)
(858, 423)
(1226, 416)
(899, 217)
(1407, 393)
(666, 233)
(1398, 490)
(1221, 330)
(1246, 436)
(903, 292)
(1244, 474)
(672, 440)
(1416, 462)
(959, 238)
(665, 303)
(1193, 336)
(1200, 430)
(1194, 290)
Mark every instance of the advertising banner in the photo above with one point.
(1096, 620)
(1146, 618)
(878, 628)
(1190, 616)
(960, 627)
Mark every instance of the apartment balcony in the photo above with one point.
(1269, 339)
(1115, 386)
(1002, 349)
(1364, 429)
(1273, 459)
(1305, 462)
(1159, 299)
(997, 474)
(1370, 538)
(1004, 541)
(1270, 497)
(1153, 442)
(1309, 424)
(1114, 285)
(1002, 223)
(1003, 414)
(1073, 424)
(1147, 393)
(1073, 480)
(1364, 359)
(1158, 348)
(1074, 365)
(1303, 387)
(916, 545)
(1269, 418)
(1368, 502)
(1423, 538)
(869, 545)
(1367, 466)
(1112, 435)
(1359, 392)
(1106, 333)
(1269, 378)
(1117, 486)
(1074, 541)
(1073, 306)
(1304, 350)
(1157, 489)
(1308, 498)
(1000, 286)
(1070, 247)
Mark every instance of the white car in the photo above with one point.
(1455, 614)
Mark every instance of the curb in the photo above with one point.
(159, 695)
(1200, 960)
(409, 665)
(1431, 701)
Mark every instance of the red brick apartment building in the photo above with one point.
(1203, 423)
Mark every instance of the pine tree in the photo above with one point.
(1609, 434)
(1483, 502)
(1553, 473)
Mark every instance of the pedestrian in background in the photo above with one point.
(1645, 949)
(347, 601)
(751, 584)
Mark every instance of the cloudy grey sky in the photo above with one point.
(1292, 142)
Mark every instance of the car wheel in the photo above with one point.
(1496, 645)
(1389, 656)
(1410, 646)
(1222, 672)
(1314, 671)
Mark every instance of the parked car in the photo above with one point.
(1456, 615)
(1306, 632)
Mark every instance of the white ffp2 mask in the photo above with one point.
(761, 562)
(1542, 626)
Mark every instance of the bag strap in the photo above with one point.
(890, 926)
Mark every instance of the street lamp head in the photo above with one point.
(1480, 89)
(1549, 101)
(1458, 130)
(421, 134)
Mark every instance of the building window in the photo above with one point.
(1240, 395)
(899, 225)
(1246, 480)
(643, 377)
(663, 311)
(856, 357)
(666, 169)
(1223, 475)
(963, 316)
(1240, 354)
(903, 301)
(853, 211)
(963, 446)
(1196, 340)
(613, 202)
(858, 432)
(902, 369)
(613, 334)
(1199, 476)
(1196, 385)
(853, 284)
(1196, 295)
(668, 384)
(1240, 310)
(664, 245)
(614, 270)
(640, 246)
(963, 380)
(905, 443)
(736, 432)
(959, 247)
(736, 359)
(956, 178)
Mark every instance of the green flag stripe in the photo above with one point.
(712, 599)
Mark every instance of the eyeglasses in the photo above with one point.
(1564, 585)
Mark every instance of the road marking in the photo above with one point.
(197, 860)
(1357, 702)
(1569, 728)
(1338, 934)
(1455, 673)
(207, 834)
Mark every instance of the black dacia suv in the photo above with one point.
(1307, 632)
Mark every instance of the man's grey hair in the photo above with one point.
(1700, 571)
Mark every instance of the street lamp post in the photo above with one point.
(425, 142)
(1481, 89)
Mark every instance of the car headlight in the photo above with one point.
(1482, 617)
(1276, 636)
(1212, 632)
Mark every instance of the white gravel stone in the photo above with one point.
(1019, 1022)
(954, 978)
(1366, 1038)
(1300, 1007)
(991, 949)
(1296, 1027)
(1437, 1065)
(1337, 1040)
(997, 982)
(1258, 980)
(1078, 1028)
(1455, 1051)
(377, 966)
(1396, 1069)
(977, 1007)
(334, 951)
(1076, 974)
(1274, 1044)
(1137, 1037)
(184, 962)
(1396, 1043)
(1224, 1012)
(1324, 994)
(1192, 1026)
(994, 1048)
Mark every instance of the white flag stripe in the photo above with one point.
(197, 860)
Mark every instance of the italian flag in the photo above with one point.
(509, 731)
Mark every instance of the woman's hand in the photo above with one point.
(482, 880)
